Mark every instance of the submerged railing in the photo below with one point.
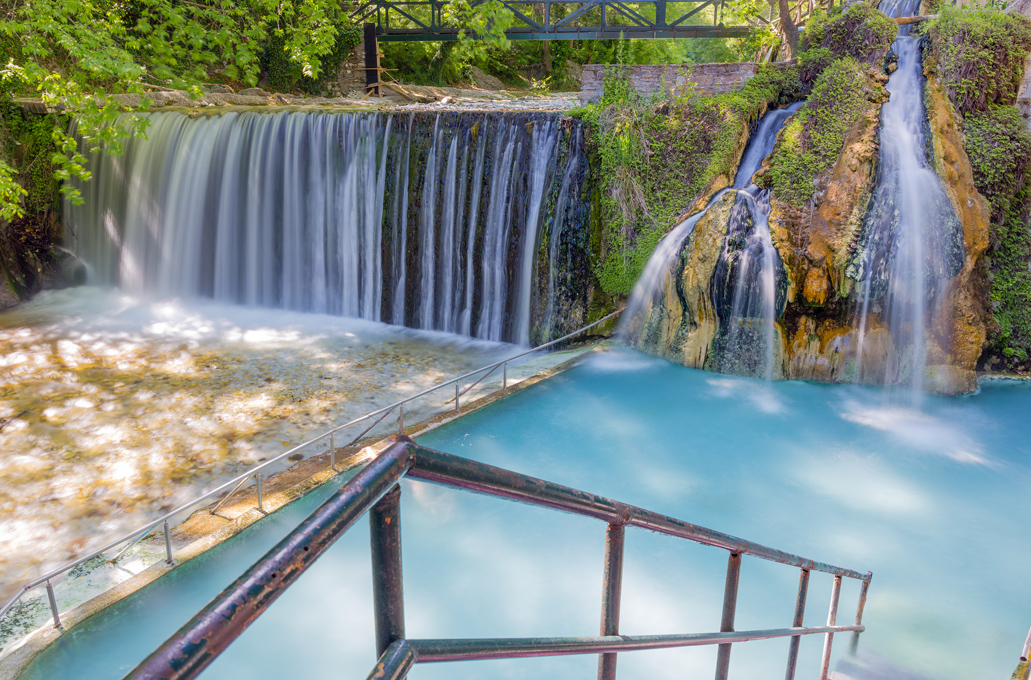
(257, 475)
(375, 489)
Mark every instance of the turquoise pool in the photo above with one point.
(935, 502)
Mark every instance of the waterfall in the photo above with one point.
(911, 242)
(430, 220)
(747, 268)
(747, 291)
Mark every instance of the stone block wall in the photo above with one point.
(709, 79)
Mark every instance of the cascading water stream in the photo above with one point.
(429, 220)
(911, 243)
(754, 271)
(747, 271)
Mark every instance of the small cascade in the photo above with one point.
(748, 276)
(911, 243)
(428, 220)
(748, 290)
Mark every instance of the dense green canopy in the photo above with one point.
(76, 53)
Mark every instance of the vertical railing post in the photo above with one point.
(261, 505)
(504, 376)
(371, 60)
(729, 610)
(612, 587)
(168, 544)
(832, 618)
(53, 605)
(401, 419)
(863, 590)
(797, 622)
(456, 396)
(387, 582)
(332, 453)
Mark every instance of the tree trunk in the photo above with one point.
(547, 57)
(790, 30)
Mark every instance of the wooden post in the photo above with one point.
(371, 60)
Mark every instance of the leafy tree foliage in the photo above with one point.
(75, 54)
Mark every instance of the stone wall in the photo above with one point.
(709, 79)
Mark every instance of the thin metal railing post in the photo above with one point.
(504, 376)
(332, 453)
(612, 587)
(863, 590)
(261, 506)
(729, 610)
(168, 544)
(456, 396)
(53, 605)
(401, 420)
(832, 617)
(796, 622)
(387, 581)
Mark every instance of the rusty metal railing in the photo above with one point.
(376, 490)
(257, 473)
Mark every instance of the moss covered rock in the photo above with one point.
(843, 97)
(978, 58)
(858, 31)
(657, 159)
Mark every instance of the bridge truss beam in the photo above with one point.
(424, 20)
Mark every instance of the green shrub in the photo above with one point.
(858, 31)
(979, 55)
(1000, 155)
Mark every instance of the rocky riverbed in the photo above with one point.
(113, 410)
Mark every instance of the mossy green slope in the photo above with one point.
(978, 57)
(656, 157)
(810, 143)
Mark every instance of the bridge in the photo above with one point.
(420, 20)
(425, 20)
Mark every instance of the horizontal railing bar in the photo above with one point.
(240, 479)
(211, 630)
(199, 642)
(444, 468)
(432, 651)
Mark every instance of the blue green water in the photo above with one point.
(934, 502)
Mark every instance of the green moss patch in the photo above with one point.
(1000, 154)
(656, 156)
(813, 138)
(858, 31)
(979, 55)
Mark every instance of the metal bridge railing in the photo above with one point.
(411, 20)
(375, 489)
(257, 473)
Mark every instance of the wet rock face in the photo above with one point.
(31, 261)
(835, 320)
(822, 249)
(963, 332)
(682, 327)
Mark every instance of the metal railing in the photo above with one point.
(256, 473)
(411, 20)
(376, 490)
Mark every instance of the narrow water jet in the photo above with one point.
(911, 243)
